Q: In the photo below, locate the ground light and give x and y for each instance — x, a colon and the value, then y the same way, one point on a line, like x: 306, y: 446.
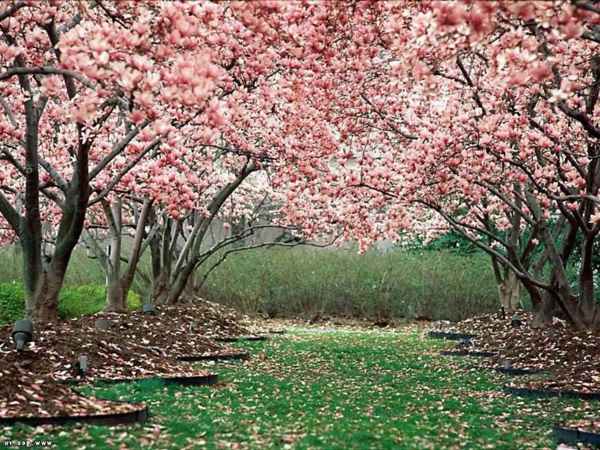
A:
x: 22, y: 333
x: 148, y: 309
x: 102, y: 324
x: 515, y: 321
x: 80, y: 365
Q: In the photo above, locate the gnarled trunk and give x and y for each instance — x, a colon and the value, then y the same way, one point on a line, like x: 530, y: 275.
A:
x: 42, y: 301
x: 543, y: 311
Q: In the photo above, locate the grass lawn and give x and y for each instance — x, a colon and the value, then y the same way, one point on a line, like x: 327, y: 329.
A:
x: 331, y: 390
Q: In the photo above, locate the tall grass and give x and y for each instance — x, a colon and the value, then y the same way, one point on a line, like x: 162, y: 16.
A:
x: 284, y: 282
x: 304, y: 281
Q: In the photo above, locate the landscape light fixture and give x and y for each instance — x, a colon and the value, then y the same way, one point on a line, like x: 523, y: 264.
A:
x: 506, y: 364
x: 193, y: 327
x: 502, y: 313
x: 80, y: 365
x: 22, y: 333
x: 438, y: 325
x: 515, y: 321
x: 467, y: 345
x: 148, y: 309
x: 102, y: 324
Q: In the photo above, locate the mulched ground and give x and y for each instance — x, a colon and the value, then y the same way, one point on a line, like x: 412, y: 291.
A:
x: 111, y: 354
x: 134, y: 346
x: 572, y: 357
x: 186, y: 329
x: 24, y: 395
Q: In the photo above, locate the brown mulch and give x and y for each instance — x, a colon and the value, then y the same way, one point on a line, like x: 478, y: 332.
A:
x: 111, y: 355
x: 135, y: 345
x: 23, y: 395
x: 573, y: 358
x: 585, y: 425
x: 210, y: 321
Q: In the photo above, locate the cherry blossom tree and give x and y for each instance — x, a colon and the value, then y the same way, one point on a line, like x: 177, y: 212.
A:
x: 90, y: 86
x: 480, y: 116
x: 90, y: 90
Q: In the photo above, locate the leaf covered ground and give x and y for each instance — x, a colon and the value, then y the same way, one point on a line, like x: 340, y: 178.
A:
x: 324, y: 389
x: 572, y: 357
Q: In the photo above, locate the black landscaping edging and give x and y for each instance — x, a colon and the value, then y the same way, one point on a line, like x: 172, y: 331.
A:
x: 573, y: 435
x: 200, y: 380
x: 241, y: 339
x: 138, y: 416
x: 450, y: 336
x: 197, y: 380
x: 527, y: 392
x: 518, y: 372
x: 467, y: 353
x: 233, y: 356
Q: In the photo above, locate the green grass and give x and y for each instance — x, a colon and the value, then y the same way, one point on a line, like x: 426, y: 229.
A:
x: 333, y: 390
x: 82, y: 269
x: 74, y: 301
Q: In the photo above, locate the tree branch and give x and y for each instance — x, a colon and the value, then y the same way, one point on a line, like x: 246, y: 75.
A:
x: 117, y: 148
x: 45, y: 70
x: 10, y: 11
x: 124, y: 172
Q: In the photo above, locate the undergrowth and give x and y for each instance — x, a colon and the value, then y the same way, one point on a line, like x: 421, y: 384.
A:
x: 286, y: 283
x: 74, y: 301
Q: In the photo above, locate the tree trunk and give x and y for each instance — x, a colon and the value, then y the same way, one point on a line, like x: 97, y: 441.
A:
x: 509, y: 291
x: 162, y: 265
x: 543, y: 311
x: 180, y: 282
x: 42, y: 301
x: 115, y: 301
x: 587, y: 299
x: 136, y: 250
x: 190, y: 287
x: 160, y: 292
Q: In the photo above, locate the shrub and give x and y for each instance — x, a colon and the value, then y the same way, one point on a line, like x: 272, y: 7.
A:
x: 398, y: 283
x: 73, y: 302
x: 12, y: 302
x: 88, y: 299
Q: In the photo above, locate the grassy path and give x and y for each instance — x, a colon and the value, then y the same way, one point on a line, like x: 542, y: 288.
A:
x: 333, y: 390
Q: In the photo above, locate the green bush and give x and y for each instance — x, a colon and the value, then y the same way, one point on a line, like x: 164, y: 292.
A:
x: 12, y: 302
x: 73, y: 301
x: 88, y: 299
x: 398, y: 283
